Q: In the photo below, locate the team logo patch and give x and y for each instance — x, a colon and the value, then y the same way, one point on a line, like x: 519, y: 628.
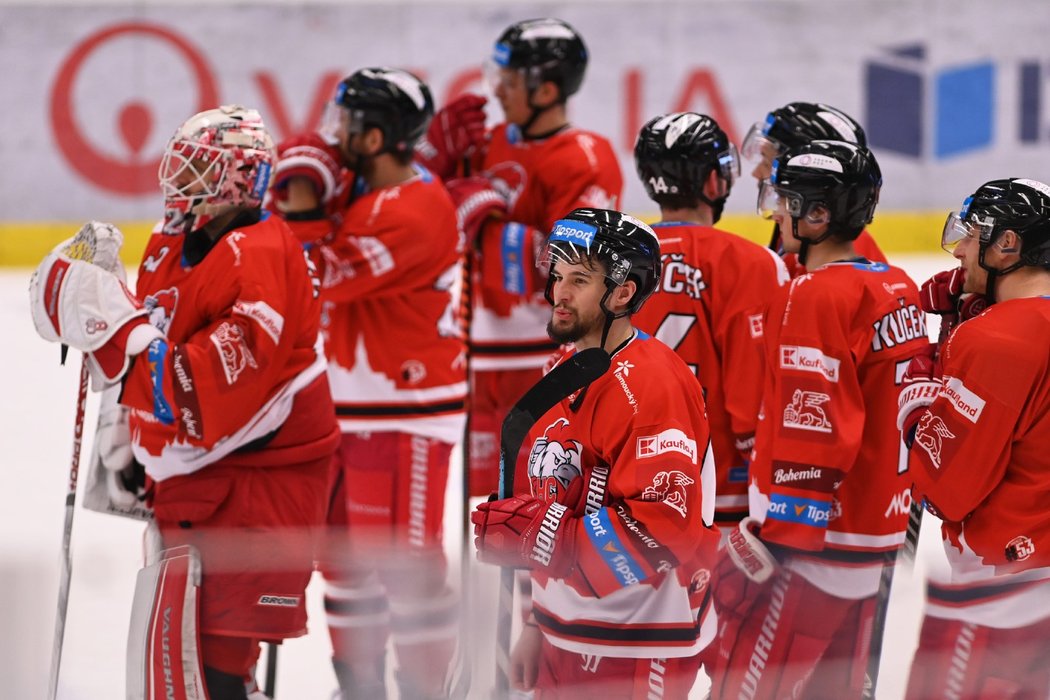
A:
x: 553, y: 463
x: 807, y: 359
x: 1019, y: 548
x: 930, y: 436
x: 671, y: 440
x: 669, y: 488
x: 806, y: 412
x: 228, y: 339
x: 968, y: 404
x: 161, y: 306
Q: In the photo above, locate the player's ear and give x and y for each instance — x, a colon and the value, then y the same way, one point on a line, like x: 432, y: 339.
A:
x: 1009, y: 242
x: 623, y: 294
x: 546, y: 94
x: 373, y: 140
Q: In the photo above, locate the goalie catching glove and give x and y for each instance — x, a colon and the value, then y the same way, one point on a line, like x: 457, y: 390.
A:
x: 88, y: 307
x: 525, y: 532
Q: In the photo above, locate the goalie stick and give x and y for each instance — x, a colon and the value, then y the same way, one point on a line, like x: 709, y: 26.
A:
x: 563, y: 381
x: 82, y: 247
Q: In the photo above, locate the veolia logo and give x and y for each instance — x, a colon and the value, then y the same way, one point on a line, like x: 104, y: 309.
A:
x: 136, y: 172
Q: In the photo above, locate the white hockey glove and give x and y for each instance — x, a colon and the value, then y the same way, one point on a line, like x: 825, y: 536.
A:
x: 89, y: 308
x: 748, y: 553
x: 116, y: 483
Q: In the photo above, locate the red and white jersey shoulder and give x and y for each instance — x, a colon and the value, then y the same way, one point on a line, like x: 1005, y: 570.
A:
x: 631, y: 461
x: 710, y: 308
x: 542, y: 180
x: 390, y: 285
x: 242, y: 341
x: 828, y: 472
x: 981, y: 454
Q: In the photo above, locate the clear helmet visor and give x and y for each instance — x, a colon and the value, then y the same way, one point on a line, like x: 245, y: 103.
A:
x: 757, y: 145
x: 729, y: 164
x: 773, y: 199
x: 338, y: 122
x: 958, y: 227
x: 576, y: 243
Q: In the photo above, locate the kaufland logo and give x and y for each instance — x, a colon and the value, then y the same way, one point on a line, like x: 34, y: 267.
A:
x: 917, y: 110
x: 807, y: 359
x: 670, y: 440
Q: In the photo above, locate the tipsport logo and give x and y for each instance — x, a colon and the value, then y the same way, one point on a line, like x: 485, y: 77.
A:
x: 917, y: 110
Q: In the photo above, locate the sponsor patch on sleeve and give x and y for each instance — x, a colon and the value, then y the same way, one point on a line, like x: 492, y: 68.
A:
x: 607, y: 543
x: 805, y: 511
x: 968, y: 404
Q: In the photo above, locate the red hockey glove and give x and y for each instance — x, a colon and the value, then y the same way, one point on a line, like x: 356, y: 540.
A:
x: 524, y: 532
x: 456, y: 130
x: 475, y: 201
x: 921, y: 384
x: 308, y: 156
x: 748, y: 552
x: 943, y: 295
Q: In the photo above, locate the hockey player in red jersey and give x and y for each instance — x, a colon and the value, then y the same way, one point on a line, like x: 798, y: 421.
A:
x: 390, y: 269
x: 220, y: 357
x: 797, y: 595
x: 527, y: 171
x: 977, y: 419
x: 793, y: 125
x: 617, y: 530
x: 710, y: 304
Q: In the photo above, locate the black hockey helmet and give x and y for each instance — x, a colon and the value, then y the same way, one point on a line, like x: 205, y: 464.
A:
x: 674, y: 155
x: 545, y: 49
x: 830, y: 182
x: 1016, y: 204
x: 627, y: 247
x: 796, y: 124
x: 391, y: 100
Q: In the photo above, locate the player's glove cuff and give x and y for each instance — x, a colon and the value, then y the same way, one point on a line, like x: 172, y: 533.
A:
x: 748, y: 552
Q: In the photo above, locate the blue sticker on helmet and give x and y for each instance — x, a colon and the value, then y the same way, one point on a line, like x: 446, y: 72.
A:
x: 262, y: 179
x: 965, y: 207
x: 501, y: 54
x: 770, y: 121
x: 575, y: 232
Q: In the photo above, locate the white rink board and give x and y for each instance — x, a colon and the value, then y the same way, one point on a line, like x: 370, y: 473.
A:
x: 952, y: 94
x: 36, y: 416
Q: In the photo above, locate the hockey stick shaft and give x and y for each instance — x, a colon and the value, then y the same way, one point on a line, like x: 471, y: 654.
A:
x: 271, y: 671
x: 564, y: 380
x: 66, y: 574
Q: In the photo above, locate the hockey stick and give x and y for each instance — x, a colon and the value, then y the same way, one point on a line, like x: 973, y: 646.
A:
x: 459, y: 686
x: 67, y: 534
x: 564, y: 380
x: 270, y: 688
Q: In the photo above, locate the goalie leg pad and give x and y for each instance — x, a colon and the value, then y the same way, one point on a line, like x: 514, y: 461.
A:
x: 164, y: 658
x: 779, y: 648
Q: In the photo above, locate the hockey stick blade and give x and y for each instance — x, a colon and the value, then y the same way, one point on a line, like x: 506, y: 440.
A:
x: 562, y: 382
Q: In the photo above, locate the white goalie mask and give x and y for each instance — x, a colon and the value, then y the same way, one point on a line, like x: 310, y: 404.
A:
x: 217, y: 160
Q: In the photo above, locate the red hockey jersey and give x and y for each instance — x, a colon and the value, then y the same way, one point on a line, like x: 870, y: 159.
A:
x: 241, y: 320
x: 391, y: 276
x: 828, y: 456
x: 981, y: 453
x: 709, y: 308
x: 542, y: 180
x: 631, y: 461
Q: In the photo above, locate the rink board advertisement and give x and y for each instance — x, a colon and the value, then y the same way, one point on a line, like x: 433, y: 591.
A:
x: 951, y: 94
